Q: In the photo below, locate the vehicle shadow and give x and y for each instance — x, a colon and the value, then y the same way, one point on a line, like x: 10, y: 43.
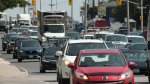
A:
x: 141, y: 83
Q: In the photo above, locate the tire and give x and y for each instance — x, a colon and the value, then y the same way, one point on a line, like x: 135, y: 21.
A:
x: 59, y: 81
x: 57, y: 76
x: 8, y: 51
x: 42, y: 71
x: 3, y: 49
x: 62, y: 80
x: 41, y: 68
x: 19, y: 60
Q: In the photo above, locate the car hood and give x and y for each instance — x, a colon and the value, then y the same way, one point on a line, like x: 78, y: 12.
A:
x: 54, y: 34
x: 31, y: 48
x: 137, y: 61
x: 102, y: 69
x: 33, y: 36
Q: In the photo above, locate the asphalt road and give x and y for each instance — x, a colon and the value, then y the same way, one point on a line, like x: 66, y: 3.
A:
x: 35, y: 77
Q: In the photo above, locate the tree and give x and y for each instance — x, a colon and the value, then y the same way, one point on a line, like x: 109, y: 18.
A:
x: 6, y: 4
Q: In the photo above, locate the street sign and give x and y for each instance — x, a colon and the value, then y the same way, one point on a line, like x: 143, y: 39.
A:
x: 82, y: 13
x: 30, y: 8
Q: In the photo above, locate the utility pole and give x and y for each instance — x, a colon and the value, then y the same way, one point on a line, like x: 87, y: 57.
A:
x: 85, y: 21
x: 56, y: 4
x: 142, y: 15
x: 28, y: 7
x: 40, y: 4
x: 72, y: 13
x: 51, y: 5
x: 24, y: 7
x: 128, y: 25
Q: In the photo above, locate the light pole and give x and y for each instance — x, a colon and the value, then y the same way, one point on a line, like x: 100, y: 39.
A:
x: 51, y: 5
x: 85, y: 21
x: 40, y: 4
x: 142, y: 15
x: 128, y: 25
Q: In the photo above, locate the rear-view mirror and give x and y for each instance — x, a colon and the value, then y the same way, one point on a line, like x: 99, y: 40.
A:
x: 58, y: 53
x: 71, y: 65
x: 132, y: 63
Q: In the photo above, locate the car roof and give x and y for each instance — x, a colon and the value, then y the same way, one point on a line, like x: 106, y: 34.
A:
x: 100, y: 51
x: 88, y: 35
x: 115, y: 35
x: 16, y: 36
x: 26, y: 31
x: 85, y: 41
x: 51, y: 47
x: 134, y: 36
x: 11, y: 34
x: 24, y: 37
x: 30, y: 40
x: 33, y: 31
x: 136, y: 43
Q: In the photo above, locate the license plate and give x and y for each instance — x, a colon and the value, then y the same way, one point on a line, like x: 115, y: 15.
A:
x: 136, y: 70
x: 30, y: 56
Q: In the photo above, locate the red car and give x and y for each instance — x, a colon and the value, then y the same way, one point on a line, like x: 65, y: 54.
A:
x: 26, y: 33
x: 101, y: 67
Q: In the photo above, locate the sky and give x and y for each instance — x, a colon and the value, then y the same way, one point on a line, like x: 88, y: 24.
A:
x: 45, y: 7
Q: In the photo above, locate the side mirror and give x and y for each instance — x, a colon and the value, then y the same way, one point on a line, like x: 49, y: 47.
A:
x: 58, y: 53
x: 130, y: 40
x: 132, y: 63
x: 2, y: 38
x: 71, y: 65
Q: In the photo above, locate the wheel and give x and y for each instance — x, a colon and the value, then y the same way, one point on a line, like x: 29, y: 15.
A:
x: 148, y: 72
x: 42, y: 71
x: 41, y: 68
x: 3, y: 49
x: 59, y: 81
x: 14, y: 57
x: 19, y: 60
x: 8, y: 51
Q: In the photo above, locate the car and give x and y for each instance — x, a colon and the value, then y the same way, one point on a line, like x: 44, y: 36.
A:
x: 87, y: 36
x: 61, y: 40
x: 16, y: 45
x: 70, y: 30
x: 101, y: 34
x: 5, y: 39
x: 139, y: 57
x: 69, y: 52
x: 20, y: 30
x: 33, y: 28
x: 11, y: 43
x: 33, y: 34
x: 74, y: 35
x: 48, y: 60
x: 135, y: 33
x: 110, y: 44
x: 29, y: 49
x: 136, y: 46
x: 139, y: 31
x: 135, y: 39
x: 3, y: 26
x: 119, y: 40
x: 101, y: 66
x: 25, y: 33
x: 14, y: 30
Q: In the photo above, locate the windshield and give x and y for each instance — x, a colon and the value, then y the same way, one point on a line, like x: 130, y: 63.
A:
x: 3, y: 23
x: 52, y: 51
x: 21, y: 30
x: 13, y: 22
x: 91, y: 30
x: 33, y: 33
x: 73, y: 35
x: 101, y: 59
x: 73, y: 49
x: 54, y: 29
x: 30, y: 44
x: 23, y: 21
x: 116, y: 38
x: 100, y: 36
x: 13, y: 38
x: 19, y: 40
x: 136, y: 39
x: 110, y: 44
x: 8, y: 35
x: 25, y: 33
x: 62, y: 40
x: 33, y: 28
x: 88, y: 37
x: 135, y: 55
x: 14, y: 30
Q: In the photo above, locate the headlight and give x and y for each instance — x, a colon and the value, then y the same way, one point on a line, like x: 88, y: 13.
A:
x: 66, y: 62
x: 16, y: 48
x: 5, y: 27
x: 21, y: 51
x: 82, y: 76
x: 126, y: 75
x: 5, y: 41
x: 39, y: 51
x: 9, y: 44
x: 43, y: 59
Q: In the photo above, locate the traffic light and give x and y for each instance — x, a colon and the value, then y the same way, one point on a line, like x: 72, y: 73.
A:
x: 35, y: 12
x: 33, y: 2
x: 119, y: 2
x: 70, y: 2
x: 82, y: 8
x: 141, y: 17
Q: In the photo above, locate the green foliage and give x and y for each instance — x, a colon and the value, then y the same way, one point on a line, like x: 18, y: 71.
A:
x: 6, y: 4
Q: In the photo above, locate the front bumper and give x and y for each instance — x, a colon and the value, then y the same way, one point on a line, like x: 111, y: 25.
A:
x: 49, y: 65
x: 24, y: 55
x: 10, y: 47
x: 4, y: 45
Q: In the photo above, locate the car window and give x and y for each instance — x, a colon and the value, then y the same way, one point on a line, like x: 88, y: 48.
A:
x: 73, y: 49
x: 33, y: 33
x: 100, y: 36
x: 136, y: 39
x: 135, y: 55
x: 110, y: 44
x: 30, y: 44
x: 51, y: 51
x: 74, y: 35
x: 116, y: 38
x: 139, y: 47
x: 101, y: 59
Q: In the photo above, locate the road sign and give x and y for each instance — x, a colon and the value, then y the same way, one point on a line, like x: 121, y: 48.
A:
x: 30, y: 8
x: 82, y: 13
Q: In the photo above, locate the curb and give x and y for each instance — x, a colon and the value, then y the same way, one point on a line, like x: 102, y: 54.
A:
x: 26, y: 72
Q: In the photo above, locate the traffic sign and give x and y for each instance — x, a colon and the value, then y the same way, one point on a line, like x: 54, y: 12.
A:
x: 82, y: 13
x: 30, y: 8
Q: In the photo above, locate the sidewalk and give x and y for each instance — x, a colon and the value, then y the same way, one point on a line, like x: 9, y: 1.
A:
x: 9, y: 71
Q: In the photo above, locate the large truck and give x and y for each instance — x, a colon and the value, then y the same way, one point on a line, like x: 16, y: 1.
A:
x: 12, y: 21
x: 51, y: 24
x: 3, y: 22
x: 23, y: 20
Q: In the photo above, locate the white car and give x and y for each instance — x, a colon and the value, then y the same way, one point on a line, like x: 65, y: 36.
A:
x: 119, y: 40
x: 69, y: 52
x: 33, y: 34
x: 102, y: 34
x: 135, y: 39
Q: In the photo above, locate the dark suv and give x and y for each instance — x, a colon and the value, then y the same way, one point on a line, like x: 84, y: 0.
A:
x: 16, y: 45
x: 29, y: 49
x: 6, y: 39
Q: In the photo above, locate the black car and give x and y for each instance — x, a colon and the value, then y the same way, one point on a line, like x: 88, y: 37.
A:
x: 136, y: 46
x: 11, y: 43
x: 3, y: 26
x: 74, y: 35
x: 16, y: 45
x: 48, y: 60
x: 139, y: 57
x: 6, y: 39
x: 29, y: 49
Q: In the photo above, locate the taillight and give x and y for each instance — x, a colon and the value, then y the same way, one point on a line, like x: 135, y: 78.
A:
x: 82, y: 34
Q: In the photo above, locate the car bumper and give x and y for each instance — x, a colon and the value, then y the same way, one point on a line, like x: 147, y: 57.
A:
x: 29, y: 56
x: 49, y: 65
x: 139, y: 69
x: 10, y: 47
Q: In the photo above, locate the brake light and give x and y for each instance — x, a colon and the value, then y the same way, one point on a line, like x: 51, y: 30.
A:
x: 82, y: 34
x: 87, y: 33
